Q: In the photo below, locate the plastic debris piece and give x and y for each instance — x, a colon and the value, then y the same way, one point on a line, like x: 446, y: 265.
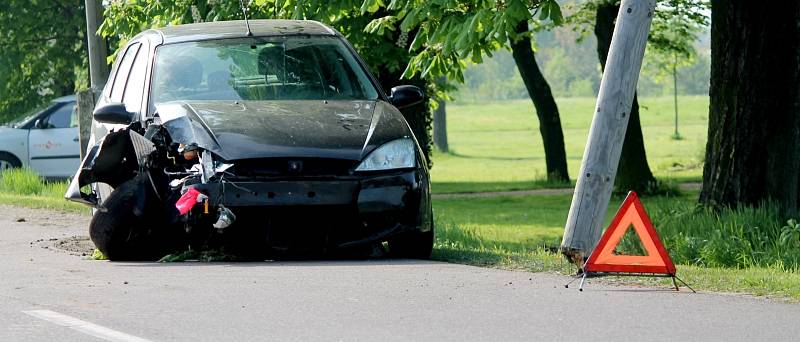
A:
x: 187, y: 201
x: 226, y: 218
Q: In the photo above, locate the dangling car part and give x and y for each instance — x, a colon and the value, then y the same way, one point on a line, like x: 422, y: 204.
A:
x: 279, y: 144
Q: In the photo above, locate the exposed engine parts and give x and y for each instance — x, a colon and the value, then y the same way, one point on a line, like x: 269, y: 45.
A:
x: 181, y: 188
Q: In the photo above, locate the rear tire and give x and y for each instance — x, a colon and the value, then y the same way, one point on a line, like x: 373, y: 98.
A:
x: 122, y: 235
x: 8, y: 161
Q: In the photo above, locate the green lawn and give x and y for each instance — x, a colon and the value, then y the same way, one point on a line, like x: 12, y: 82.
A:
x: 23, y: 187
x: 523, y: 223
x: 497, y: 146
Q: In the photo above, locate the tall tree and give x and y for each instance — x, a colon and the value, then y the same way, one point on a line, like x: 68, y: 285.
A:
x: 449, y: 33
x: 440, y: 126
x: 41, y: 52
x: 753, y: 149
x: 545, y: 104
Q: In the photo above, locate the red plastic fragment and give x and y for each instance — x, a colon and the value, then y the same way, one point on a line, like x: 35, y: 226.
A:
x: 187, y: 201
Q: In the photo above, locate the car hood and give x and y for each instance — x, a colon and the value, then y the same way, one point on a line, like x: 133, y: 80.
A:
x: 11, y: 133
x: 259, y: 129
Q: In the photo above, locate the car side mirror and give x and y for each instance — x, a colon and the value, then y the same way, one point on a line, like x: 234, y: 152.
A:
x: 406, y: 95
x: 40, y: 124
x: 113, y: 113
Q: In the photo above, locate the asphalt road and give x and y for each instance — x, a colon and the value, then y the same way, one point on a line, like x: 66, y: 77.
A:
x: 51, y: 295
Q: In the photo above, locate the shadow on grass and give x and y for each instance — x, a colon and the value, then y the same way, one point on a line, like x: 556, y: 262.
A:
x: 469, y: 257
x: 311, y: 262
x: 473, y: 187
x: 458, y: 244
x: 539, y: 260
x: 459, y: 155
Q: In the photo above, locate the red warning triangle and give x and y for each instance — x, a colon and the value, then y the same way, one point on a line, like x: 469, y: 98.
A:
x: 655, y: 260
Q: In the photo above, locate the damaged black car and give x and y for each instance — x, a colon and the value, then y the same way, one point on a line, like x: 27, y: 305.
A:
x: 269, y: 141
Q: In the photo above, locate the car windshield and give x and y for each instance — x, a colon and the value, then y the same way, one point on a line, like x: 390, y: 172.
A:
x: 260, y: 69
x: 24, y: 119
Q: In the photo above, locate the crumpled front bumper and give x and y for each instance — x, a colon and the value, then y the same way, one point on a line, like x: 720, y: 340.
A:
x: 378, y: 193
x: 357, y: 210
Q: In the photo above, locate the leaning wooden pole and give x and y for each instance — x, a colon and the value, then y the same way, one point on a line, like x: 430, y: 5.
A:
x: 96, y: 45
x: 601, y: 157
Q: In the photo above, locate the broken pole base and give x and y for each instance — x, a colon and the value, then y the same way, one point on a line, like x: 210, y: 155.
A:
x: 585, y: 275
x: 575, y: 256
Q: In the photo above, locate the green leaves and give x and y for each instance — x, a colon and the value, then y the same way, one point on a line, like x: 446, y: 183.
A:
x: 371, y: 6
x: 449, y: 32
x: 790, y: 234
x: 552, y: 11
x: 381, y: 25
x: 41, y: 53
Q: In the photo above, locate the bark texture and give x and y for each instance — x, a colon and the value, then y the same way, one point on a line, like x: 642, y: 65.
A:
x: 634, y: 171
x: 440, y: 127
x: 546, y: 108
x: 753, y: 149
x: 418, y: 116
x: 393, y: 57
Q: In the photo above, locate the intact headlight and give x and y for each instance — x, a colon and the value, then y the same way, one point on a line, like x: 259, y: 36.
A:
x: 396, y: 154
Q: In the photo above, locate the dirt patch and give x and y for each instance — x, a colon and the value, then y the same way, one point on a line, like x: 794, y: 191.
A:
x: 75, y: 245
x: 63, y: 231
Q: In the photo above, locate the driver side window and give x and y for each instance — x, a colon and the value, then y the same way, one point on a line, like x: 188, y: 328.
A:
x: 60, y: 118
x: 123, y: 70
x: 132, y: 96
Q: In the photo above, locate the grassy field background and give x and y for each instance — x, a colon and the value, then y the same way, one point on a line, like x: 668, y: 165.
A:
x: 497, y: 146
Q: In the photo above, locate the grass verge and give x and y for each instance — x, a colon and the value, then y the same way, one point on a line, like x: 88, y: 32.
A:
x: 24, y: 187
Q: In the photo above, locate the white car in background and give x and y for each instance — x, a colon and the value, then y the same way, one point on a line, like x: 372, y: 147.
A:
x: 46, y: 141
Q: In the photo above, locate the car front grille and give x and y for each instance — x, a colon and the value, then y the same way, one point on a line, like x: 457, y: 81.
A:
x: 269, y: 168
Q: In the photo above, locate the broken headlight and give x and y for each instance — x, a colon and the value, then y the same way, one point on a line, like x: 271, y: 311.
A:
x: 396, y: 154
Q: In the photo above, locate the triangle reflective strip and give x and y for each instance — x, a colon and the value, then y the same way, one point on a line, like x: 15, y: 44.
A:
x: 631, y: 213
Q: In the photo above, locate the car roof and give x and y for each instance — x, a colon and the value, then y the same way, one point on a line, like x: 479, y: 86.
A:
x: 237, y: 28
x: 68, y: 98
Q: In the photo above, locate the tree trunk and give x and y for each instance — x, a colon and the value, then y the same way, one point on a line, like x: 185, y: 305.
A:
x: 634, y: 172
x: 546, y: 108
x: 418, y: 116
x: 440, y: 127
x: 389, y: 74
x: 753, y: 149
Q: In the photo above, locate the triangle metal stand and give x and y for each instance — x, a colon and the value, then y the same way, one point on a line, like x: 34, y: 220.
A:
x: 674, y: 277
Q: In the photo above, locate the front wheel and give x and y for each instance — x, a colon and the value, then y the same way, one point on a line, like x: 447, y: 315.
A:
x: 123, y: 234
x: 412, y: 245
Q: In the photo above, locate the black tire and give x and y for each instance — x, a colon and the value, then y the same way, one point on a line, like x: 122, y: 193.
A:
x: 122, y: 235
x: 9, y: 161
x: 412, y: 245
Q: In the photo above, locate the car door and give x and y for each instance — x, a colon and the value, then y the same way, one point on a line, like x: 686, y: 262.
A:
x: 116, y: 87
x: 53, y: 146
x: 124, y: 86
